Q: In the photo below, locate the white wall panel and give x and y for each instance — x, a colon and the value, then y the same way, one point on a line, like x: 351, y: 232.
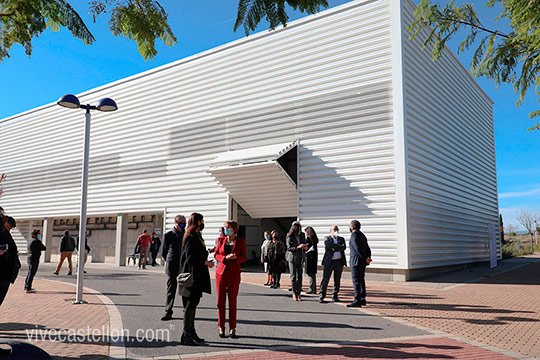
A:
x: 450, y: 158
x: 324, y: 80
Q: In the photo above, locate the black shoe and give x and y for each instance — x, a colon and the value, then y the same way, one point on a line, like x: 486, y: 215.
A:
x: 232, y: 334
x: 335, y: 299
x: 166, y: 317
x: 276, y: 287
x: 188, y: 340
x: 363, y: 302
x: 290, y: 289
x: 272, y: 286
x: 69, y: 273
x: 322, y: 301
x: 355, y: 304
x: 222, y: 334
x: 196, y: 337
x: 267, y: 284
x: 84, y: 271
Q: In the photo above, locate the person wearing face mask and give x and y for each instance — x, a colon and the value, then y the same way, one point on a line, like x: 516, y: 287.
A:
x: 171, y: 252
x: 264, y: 257
x: 230, y: 252
x: 34, y: 253
x: 194, y: 260
x: 311, y: 259
x: 333, y: 261
x: 276, y: 259
x: 296, y: 248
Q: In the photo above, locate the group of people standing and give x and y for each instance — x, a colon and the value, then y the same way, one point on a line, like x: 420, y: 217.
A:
x: 300, y: 250
x: 187, y: 257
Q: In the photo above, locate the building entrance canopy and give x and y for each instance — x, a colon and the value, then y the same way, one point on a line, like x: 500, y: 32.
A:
x: 256, y: 179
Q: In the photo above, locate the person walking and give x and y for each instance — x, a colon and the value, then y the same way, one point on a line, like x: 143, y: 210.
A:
x: 172, y: 249
x: 194, y: 260
x: 230, y: 252
x: 34, y: 253
x: 333, y: 261
x: 9, y: 257
x: 144, y: 241
x: 67, y: 246
x: 360, y: 258
x: 154, y: 248
x: 264, y: 257
x: 86, y: 251
x: 276, y: 259
x: 311, y: 259
x: 296, y: 248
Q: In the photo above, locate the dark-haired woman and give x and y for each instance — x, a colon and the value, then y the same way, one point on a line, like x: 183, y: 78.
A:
x: 296, y: 248
x: 194, y: 260
x: 34, y: 253
x: 276, y: 259
x: 311, y: 259
x: 230, y: 252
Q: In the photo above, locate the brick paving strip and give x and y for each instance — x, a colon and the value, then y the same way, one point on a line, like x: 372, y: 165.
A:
x: 50, y: 313
x: 499, y: 313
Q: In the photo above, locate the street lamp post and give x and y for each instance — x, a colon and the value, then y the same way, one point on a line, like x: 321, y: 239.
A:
x: 105, y: 104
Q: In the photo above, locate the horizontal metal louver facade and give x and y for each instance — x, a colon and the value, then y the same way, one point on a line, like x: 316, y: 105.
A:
x: 451, y: 158
x: 324, y: 80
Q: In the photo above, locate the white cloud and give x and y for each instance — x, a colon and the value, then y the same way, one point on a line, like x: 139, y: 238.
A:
x: 518, y: 194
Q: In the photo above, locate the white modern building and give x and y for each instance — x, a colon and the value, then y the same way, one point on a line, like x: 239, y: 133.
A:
x: 337, y: 116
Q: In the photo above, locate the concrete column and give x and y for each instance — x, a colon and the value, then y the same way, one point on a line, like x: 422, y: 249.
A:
x: 46, y: 237
x: 120, y: 252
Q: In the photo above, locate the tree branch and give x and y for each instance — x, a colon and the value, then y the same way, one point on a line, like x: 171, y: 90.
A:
x: 8, y: 14
x: 496, y: 32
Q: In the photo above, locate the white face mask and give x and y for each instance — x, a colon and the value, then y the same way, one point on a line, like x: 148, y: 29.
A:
x: 336, y: 234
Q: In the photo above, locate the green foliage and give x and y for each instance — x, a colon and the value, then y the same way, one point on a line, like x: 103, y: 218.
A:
x: 142, y: 20
x: 512, y: 58
x: 514, y: 249
x: 251, y: 12
x: 22, y: 20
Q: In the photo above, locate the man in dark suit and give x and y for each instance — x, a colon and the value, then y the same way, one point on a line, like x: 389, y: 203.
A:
x: 172, y: 249
x: 360, y: 258
x: 333, y: 261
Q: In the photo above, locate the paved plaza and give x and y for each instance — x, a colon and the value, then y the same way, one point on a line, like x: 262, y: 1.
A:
x: 469, y: 314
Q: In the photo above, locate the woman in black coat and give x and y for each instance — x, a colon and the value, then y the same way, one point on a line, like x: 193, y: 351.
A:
x: 194, y: 260
x: 311, y: 259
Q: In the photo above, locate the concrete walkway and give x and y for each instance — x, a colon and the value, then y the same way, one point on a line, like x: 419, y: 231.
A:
x: 476, y: 313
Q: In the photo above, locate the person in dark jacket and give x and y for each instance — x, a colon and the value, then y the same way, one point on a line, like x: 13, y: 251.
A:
x: 333, y: 261
x: 194, y: 260
x: 296, y: 247
x: 172, y: 249
x: 86, y: 251
x: 276, y: 259
x: 311, y: 259
x: 34, y: 253
x: 360, y: 258
x: 67, y: 246
x: 9, y: 258
x: 154, y: 248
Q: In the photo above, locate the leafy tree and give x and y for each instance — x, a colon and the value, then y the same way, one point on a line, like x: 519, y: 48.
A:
x: 144, y: 21
x: 512, y: 57
x: 501, y: 227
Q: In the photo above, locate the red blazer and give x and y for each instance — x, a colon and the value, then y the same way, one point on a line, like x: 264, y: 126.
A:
x: 232, y: 265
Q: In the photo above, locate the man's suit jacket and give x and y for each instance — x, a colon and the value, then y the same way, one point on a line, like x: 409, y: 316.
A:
x: 172, y: 249
x: 239, y: 249
x: 330, y: 248
x: 359, y: 248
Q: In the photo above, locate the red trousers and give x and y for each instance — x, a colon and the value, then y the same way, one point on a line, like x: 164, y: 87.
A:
x: 227, y: 284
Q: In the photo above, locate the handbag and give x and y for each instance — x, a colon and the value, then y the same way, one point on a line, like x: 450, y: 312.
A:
x: 185, y: 280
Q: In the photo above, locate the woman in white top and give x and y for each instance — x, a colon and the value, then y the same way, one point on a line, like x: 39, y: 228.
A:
x: 264, y: 256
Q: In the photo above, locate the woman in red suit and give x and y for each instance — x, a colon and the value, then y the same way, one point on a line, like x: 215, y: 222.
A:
x: 230, y: 252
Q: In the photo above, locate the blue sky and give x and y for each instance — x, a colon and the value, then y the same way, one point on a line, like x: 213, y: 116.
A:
x: 62, y: 64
